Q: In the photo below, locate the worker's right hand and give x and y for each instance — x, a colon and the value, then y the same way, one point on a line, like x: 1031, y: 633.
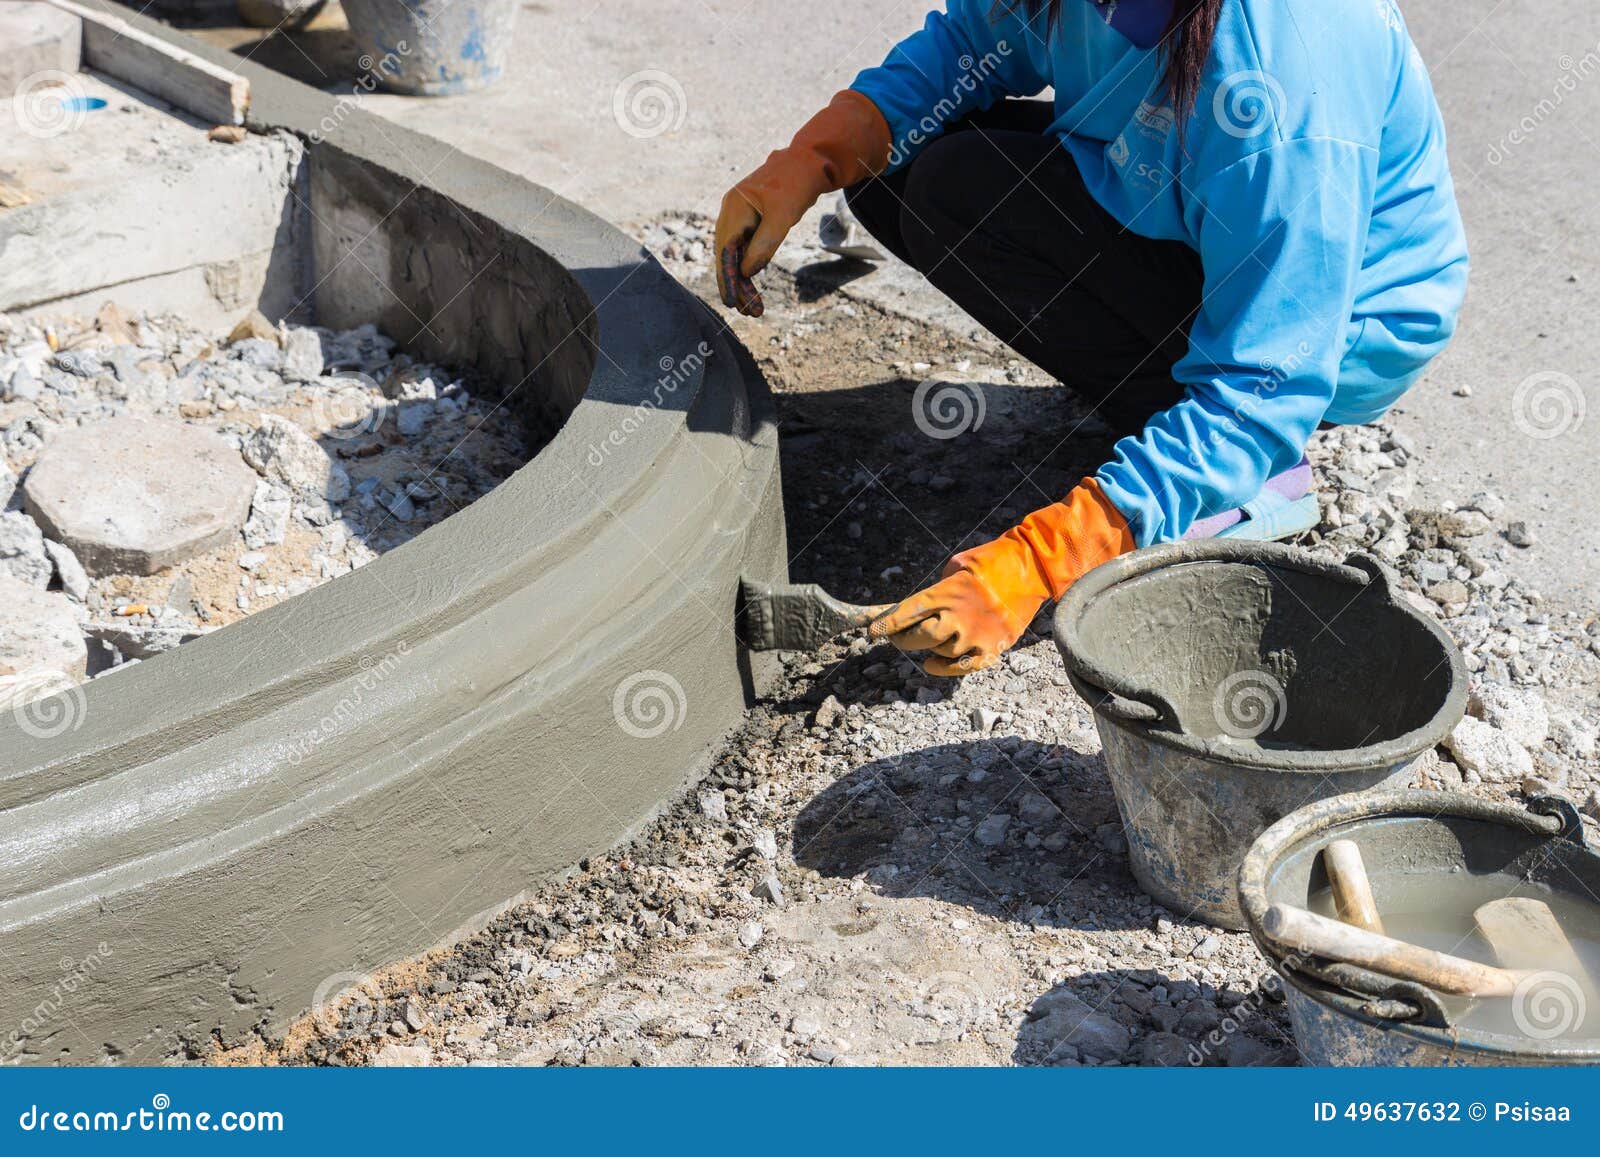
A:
x: 844, y: 143
x: 989, y: 594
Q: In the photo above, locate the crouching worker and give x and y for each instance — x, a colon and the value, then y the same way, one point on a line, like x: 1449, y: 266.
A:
x: 1234, y: 222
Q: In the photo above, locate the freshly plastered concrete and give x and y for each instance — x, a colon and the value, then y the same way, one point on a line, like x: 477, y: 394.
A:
x: 214, y: 840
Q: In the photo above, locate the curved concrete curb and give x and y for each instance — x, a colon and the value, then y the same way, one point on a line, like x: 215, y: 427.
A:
x: 205, y: 844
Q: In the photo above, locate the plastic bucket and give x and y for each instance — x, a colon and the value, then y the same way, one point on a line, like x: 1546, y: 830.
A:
x: 1234, y: 682
x: 1348, y: 1016
x: 432, y: 47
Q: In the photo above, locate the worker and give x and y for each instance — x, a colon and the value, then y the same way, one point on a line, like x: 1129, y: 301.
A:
x: 1234, y: 222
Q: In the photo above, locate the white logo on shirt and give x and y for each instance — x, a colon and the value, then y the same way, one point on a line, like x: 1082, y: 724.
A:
x: 1154, y: 121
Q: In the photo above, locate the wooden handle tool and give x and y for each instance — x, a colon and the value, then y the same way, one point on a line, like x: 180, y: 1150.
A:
x: 1306, y: 932
x: 1352, y: 891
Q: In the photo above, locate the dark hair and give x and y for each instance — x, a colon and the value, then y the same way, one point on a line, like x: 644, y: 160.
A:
x: 1184, y: 46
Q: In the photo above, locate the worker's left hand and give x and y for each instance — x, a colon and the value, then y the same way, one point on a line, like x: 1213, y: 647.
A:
x: 844, y: 143
x: 989, y: 594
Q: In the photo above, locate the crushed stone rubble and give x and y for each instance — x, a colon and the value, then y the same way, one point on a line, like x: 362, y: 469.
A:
x: 1532, y: 719
x: 339, y: 448
x: 883, y: 867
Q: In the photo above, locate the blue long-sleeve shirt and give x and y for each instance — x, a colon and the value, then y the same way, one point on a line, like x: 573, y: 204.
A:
x: 1311, y: 180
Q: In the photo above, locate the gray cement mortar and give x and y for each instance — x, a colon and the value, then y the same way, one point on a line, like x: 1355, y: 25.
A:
x: 373, y: 767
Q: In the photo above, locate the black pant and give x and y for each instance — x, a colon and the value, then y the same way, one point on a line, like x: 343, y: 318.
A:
x: 995, y: 214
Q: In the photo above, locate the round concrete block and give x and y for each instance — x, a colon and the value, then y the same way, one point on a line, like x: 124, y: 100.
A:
x: 134, y: 495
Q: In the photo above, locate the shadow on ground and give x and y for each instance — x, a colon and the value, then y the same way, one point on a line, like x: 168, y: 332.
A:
x: 1181, y: 1023
x: 1035, y: 839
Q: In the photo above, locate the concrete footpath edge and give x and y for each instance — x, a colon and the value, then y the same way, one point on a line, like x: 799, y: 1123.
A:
x: 208, y: 844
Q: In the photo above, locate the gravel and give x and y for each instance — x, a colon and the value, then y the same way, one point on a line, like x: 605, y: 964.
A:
x: 306, y: 415
x: 955, y: 880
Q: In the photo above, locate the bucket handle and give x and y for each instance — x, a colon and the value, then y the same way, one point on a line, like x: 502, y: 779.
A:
x: 1129, y: 698
x: 1561, y: 810
x: 1356, y: 991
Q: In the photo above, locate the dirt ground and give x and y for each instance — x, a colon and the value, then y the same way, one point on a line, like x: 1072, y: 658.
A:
x: 882, y: 868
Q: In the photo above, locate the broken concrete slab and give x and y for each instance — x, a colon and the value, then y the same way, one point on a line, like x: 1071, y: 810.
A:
x: 1519, y: 713
x: 302, y: 354
x: 142, y: 642
x: 1488, y: 753
x: 40, y: 40
x: 39, y: 636
x: 74, y: 579
x: 283, y: 452
x: 134, y: 495
x: 269, y: 516
x: 22, y: 553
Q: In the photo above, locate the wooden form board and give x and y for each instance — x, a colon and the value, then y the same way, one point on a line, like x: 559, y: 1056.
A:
x: 113, y: 46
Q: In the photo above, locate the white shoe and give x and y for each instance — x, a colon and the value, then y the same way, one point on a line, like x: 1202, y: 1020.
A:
x: 840, y: 233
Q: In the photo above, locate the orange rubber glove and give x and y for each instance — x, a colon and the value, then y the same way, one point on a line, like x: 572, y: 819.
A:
x: 844, y: 143
x: 989, y: 594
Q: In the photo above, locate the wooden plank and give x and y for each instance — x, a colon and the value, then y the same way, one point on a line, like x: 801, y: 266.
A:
x: 113, y: 46
x: 1525, y: 934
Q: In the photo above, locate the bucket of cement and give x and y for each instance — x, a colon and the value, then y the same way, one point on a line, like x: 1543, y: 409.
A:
x: 432, y: 47
x: 1233, y: 682
x: 1433, y: 858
